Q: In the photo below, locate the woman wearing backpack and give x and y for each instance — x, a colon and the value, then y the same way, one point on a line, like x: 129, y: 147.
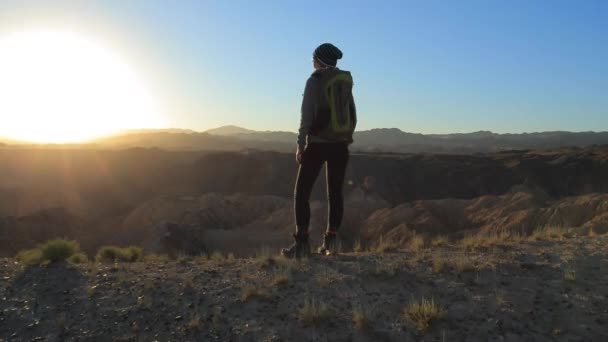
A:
x: 326, y: 129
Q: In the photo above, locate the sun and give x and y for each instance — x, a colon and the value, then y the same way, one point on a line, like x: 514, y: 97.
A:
x: 61, y: 87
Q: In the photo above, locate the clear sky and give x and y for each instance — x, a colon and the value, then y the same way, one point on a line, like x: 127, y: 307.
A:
x: 422, y: 66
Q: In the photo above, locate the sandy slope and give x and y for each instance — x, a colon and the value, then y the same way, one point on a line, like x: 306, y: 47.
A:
x: 515, y: 293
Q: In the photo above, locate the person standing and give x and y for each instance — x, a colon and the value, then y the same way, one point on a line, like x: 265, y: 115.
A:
x: 328, y: 121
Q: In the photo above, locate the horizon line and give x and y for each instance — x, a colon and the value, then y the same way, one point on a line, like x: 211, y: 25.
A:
x: 7, y: 140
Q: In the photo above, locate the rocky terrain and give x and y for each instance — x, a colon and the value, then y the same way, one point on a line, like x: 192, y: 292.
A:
x: 552, y: 286
x: 507, y: 246
x: 244, y: 199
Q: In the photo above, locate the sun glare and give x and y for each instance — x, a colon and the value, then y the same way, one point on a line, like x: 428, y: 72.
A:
x: 61, y: 87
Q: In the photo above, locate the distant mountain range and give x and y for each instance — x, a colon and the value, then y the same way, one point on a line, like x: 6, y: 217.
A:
x: 385, y: 140
x: 395, y: 140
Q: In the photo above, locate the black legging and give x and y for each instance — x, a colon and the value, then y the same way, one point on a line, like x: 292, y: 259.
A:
x: 315, y: 155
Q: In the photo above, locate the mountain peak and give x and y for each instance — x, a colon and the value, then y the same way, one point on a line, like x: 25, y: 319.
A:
x: 229, y: 130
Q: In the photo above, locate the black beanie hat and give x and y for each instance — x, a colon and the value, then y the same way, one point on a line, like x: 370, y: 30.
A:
x: 328, y: 54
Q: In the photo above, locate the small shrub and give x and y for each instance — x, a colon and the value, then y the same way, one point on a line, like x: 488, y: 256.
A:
x: 58, y: 250
x: 116, y: 254
x: 314, y: 312
x: 30, y: 256
x: 135, y: 253
x: 569, y: 275
x: 360, y: 319
x: 78, y: 258
x: 231, y: 257
x: 421, y: 313
x: 51, y: 251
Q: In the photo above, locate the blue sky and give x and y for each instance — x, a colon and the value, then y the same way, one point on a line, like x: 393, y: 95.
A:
x: 421, y: 66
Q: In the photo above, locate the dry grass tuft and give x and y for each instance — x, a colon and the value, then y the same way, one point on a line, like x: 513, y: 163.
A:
x: 360, y: 319
x: 384, y: 245
x: 265, y: 258
x: 489, y: 239
x: 217, y: 256
x: 421, y: 313
x: 78, y: 258
x: 439, y: 241
x: 438, y: 262
x: 189, y: 283
x: 358, y: 247
x: 253, y: 293
x: 91, y: 290
x: 569, y: 275
x: 462, y: 263
x: 326, y: 277
x: 194, y: 324
x: 549, y: 233
x: 294, y: 266
x: 183, y: 258
x: 314, y: 312
x: 416, y: 243
x: 385, y: 269
x: 500, y: 298
x: 281, y: 277
x: 156, y: 258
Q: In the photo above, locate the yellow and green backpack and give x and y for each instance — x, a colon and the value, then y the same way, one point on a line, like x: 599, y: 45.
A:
x: 337, y: 114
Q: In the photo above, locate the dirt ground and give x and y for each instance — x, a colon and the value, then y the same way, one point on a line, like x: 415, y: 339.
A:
x: 529, y: 291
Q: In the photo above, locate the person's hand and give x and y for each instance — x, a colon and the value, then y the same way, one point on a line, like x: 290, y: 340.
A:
x: 299, y: 154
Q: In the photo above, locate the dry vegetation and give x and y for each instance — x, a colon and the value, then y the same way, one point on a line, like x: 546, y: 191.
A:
x: 52, y: 251
x: 251, y: 299
x: 360, y: 319
x: 314, y: 312
x: 114, y: 254
x: 253, y: 292
x: 422, y: 312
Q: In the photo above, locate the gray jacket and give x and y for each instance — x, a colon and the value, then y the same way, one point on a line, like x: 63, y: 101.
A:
x: 310, y: 105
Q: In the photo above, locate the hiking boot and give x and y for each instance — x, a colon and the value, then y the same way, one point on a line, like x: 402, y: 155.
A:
x: 299, y: 249
x: 329, y: 246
